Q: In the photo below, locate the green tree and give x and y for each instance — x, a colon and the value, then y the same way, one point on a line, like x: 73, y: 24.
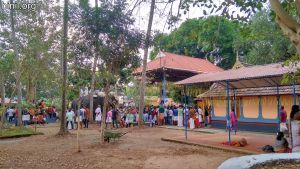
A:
x: 119, y: 46
x: 110, y: 31
x: 6, y: 66
x: 286, y: 13
x: 38, y: 34
x: 16, y: 61
x: 211, y: 38
x: 263, y: 37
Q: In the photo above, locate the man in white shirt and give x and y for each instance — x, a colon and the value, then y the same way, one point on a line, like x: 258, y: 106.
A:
x: 10, y: 112
x: 70, y: 117
x: 98, y: 114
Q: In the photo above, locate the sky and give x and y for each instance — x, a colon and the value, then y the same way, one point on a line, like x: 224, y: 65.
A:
x: 141, y: 14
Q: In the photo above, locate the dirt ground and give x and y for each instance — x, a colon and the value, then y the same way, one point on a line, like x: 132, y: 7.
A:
x: 138, y: 149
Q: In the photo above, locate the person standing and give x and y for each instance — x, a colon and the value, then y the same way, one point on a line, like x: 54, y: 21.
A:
x: 295, y: 128
x: 129, y: 119
x: 10, y: 112
x: 192, y: 117
x: 180, y: 116
x: 233, y: 121
x: 146, y: 114
x: 205, y: 115
x: 114, y: 117
x: 166, y: 115
x: 25, y: 117
x: 122, y: 117
x: 109, y: 117
x: 161, y: 112
x: 81, y: 116
x: 283, y: 120
x: 70, y: 117
x: 200, y: 116
x: 154, y: 116
x: 170, y: 116
x: 86, y: 117
x: 175, y: 115
x: 98, y: 115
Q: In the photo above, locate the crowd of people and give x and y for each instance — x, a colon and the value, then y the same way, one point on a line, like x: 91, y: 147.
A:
x: 194, y: 117
x: 81, y: 118
x: 40, y: 114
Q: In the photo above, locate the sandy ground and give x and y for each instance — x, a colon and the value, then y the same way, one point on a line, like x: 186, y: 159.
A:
x: 138, y: 149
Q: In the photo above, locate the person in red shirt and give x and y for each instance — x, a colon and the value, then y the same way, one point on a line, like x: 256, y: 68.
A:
x: 42, y: 104
x: 283, y: 115
x: 283, y: 120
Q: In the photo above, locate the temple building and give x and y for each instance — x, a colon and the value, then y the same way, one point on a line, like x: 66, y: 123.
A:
x: 170, y: 67
x: 255, y: 92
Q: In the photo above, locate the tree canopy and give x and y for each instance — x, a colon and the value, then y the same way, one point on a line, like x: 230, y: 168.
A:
x: 260, y: 41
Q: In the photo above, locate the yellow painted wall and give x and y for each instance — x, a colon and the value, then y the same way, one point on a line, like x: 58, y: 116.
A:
x: 287, y: 101
x: 250, y: 106
x: 219, y: 107
x: 269, y: 107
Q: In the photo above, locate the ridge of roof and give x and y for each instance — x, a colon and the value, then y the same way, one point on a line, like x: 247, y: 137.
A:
x: 180, y: 62
x: 274, y: 69
x: 188, y: 57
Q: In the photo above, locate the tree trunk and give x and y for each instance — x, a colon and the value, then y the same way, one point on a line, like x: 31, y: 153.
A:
x: 142, y: 85
x: 30, y: 90
x: 293, y: 36
x: 17, y: 65
x: 63, y: 130
x: 91, y: 96
x: 288, y: 24
x: 2, y: 86
x: 105, y: 105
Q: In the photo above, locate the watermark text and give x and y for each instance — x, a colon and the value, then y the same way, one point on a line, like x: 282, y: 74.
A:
x: 19, y: 5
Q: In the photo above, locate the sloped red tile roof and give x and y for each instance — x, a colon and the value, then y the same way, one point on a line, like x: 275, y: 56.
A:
x: 252, y: 72
x: 218, y: 90
x: 180, y: 62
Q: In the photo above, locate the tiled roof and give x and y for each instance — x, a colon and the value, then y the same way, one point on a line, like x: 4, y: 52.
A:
x: 180, y: 62
x: 217, y: 90
x: 252, y: 72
